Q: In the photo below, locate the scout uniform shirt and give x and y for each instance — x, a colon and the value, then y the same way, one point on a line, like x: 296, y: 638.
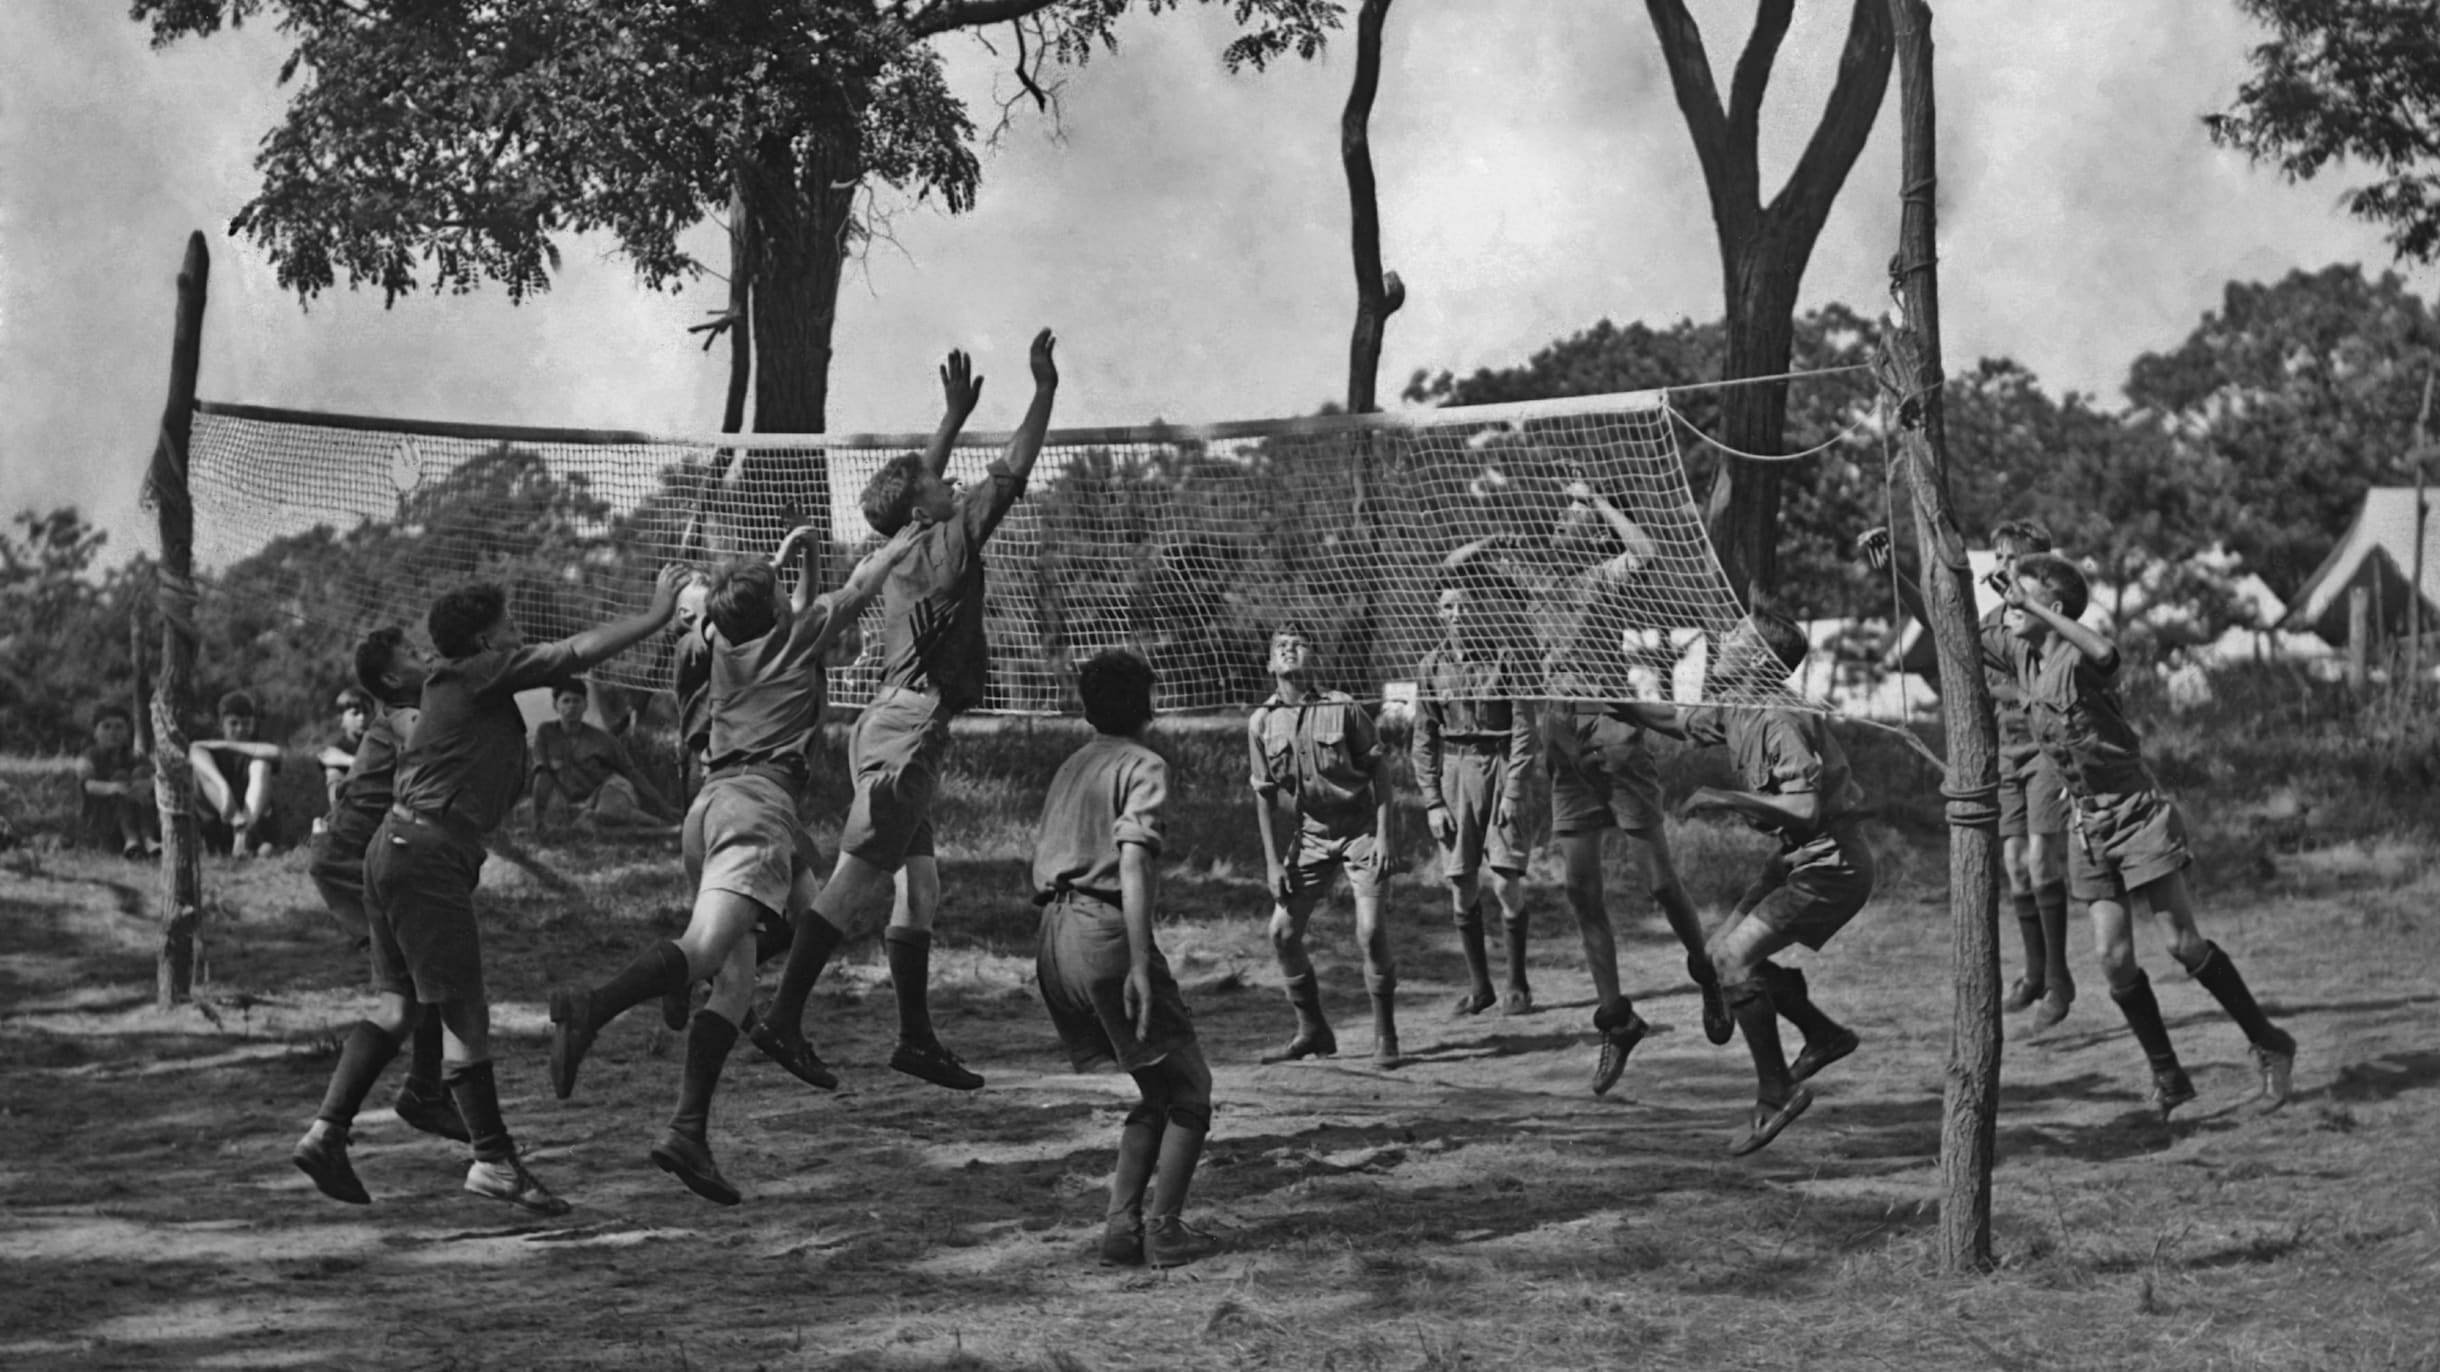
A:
x: 932, y: 635
x: 466, y: 763
x: 1320, y: 753
x: 1783, y: 752
x: 1109, y: 792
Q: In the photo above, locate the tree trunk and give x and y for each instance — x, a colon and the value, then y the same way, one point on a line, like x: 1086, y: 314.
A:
x: 1970, y: 1098
x: 1378, y: 293
x: 180, y: 898
x: 1744, y: 505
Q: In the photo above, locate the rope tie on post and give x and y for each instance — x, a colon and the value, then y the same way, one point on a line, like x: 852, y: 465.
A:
x: 1975, y: 807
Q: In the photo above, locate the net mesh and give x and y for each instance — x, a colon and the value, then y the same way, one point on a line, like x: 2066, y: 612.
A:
x: 1571, y: 522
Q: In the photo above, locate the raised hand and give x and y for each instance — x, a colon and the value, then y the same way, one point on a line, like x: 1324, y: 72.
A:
x: 1873, y: 546
x: 960, y: 388
x: 1046, y: 366
x: 665, y: 589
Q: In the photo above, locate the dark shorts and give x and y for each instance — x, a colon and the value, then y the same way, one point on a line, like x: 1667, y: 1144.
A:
x: 1311, y: 862
x: 1829, y: 879
x: 897, y: 751
x: 1472, y: 782
x: 2120, y: 843
x: 741, y: 837
x: 1613, y: 783
x: 419, y: 885
x: 337, y: 871
x: 2032, y: 800
x: 1081, y: 964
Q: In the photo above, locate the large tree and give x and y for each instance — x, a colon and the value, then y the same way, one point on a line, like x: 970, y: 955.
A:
x: 2349, y: 81
x: 1765, y: 245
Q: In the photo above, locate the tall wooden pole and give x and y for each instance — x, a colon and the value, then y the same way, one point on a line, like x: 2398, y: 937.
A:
x: 1970, y: 1098
x: 1378, y: 293
x: 181, y: 889
x: 2414, y: 599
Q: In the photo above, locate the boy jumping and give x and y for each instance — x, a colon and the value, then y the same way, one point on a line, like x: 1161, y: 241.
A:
x: 935, y: 662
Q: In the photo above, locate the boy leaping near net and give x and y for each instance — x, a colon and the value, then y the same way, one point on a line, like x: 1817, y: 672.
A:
x: 1318, y: 750
x: 766, y: 691
x: 1473, y: 746
x: 935, y: 661
x: 1802, y: 793
x: 456, y: 782
x: 1107, y: 987
x: 2128, y: 849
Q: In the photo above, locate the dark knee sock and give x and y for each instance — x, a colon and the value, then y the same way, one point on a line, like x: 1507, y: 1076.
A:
x: 2029, y: 928
x: 816, y: 939
x: 773, y: 935
x: 1685, y: 923
x: 1181, y: 1148
x: 1794, y: 1002
x: 1305, y: 993
x: 478, y: 1103
x: 1139, y: 1147
x: 2220, y: 977
x: 655, y: 972
x: 1478, y: 953
x: 368, y: 1050
x: 424, y: 1054
x: 2050, y: 899
x: 2142, y: 1009
x: 910, y: 952
x: 1519, y: 930
x: 709, y: 1037
x: 1750, y: 1002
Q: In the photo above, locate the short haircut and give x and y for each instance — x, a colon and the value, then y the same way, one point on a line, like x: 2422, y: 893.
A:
x: 744, y: 601
x: 1117, y: 690
x: 2058, y: 576
x: 1289, y: 628
x: 570, y: 686
x: 237, y: 703
x: 354, y: 698
x: 376, y: 653
x: 1782, y: 636
x: 889, y: 498
x: 112, y: 710
x: 2025, y: 535
x: 459, y: 618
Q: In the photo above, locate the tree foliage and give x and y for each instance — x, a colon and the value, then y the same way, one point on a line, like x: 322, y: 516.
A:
x: 63, y: 629
x: 2349, y: 81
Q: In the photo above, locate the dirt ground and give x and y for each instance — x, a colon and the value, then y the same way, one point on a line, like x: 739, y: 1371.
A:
x: 1478, y: 1208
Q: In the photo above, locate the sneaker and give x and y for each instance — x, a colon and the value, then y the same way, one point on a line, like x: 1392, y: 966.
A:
x: 935, y: 1064
x: 429, y: 1111
x: 1122, y: 1241
x: 1317, y: 1042
x: 1172, y: 1242
x: 690, y: 1161
x: 1718, y: 1025
x: 2021, y: 995
x: 2170, y: 1090
x: 2053, y: 1009
x: 2278, y: 1067
x: 1518, y: 1001
x: 508, y: 1180
x: 792, y: 1052
x: 572, y: 1034
x: 1817, y: 1056
x: 1616, y: 1043
x: 1472, y: 1003
x: 323, y: 1157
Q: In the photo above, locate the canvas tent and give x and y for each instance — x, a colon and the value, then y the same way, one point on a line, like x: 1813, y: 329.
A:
x: 2377, y: 554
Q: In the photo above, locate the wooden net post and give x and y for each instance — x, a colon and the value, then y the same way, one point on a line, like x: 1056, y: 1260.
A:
x: 1970, y: 1098
x: 181, y: 890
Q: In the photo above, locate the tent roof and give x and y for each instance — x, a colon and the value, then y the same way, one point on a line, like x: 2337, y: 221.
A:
x: 2378, y: 549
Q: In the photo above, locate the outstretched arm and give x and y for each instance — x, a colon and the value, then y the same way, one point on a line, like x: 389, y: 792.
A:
x: 1644, y: 714
x: 2096, y: 647
x: 960, y: 390
x: 864, y: 583
x: 1026, y: 443
x: 1874, y: 544
x: 1794, y: 811
x: 600, y: 644
x: 801, y: 542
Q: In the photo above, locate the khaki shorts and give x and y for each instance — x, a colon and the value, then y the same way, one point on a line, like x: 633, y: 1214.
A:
x: 2032, y: 798
x: 1829, y: 879
x: 2123, y: 842
x: 419, y: 882
x: 1081, y: 964
x: 1613, y: 783
x: 1311, y: 863
x: 741, y: 837
x: 896, y: 755
x: 1472, y: 782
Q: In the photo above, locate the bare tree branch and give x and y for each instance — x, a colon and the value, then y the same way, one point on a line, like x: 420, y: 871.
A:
x: 1803, y: 204
x: 1698, y: 99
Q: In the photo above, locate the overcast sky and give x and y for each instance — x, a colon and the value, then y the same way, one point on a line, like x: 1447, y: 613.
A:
x: 1185, y: 232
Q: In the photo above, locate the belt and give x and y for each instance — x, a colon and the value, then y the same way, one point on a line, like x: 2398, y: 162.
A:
x: 790, y: 772
x: 455, y: 828
x: 1059, y: 893
x: 1475, y: 743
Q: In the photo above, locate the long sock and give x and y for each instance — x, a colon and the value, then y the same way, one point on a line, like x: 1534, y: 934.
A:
x: 368, y: 1050
x: 1679, y: 910
x: 478, y: 1103
x: 1794, y: 1001
x: 1470, y: 938
x: 1385, y: 1015
x: 1305, y: 993
x: 2220, y: 977
x: 1181, y: 1149
x: 709, y: 1037
x: 655, y: 972
x: 816, y: 939
x: 2050, y: 900
x: 2142, y: 1009
x: 1617, y: 1012
x: 773, y: 935
x: 1750, y: 1001
x: 1519, y: 929
x: 1139, y: 1151
x: 424, y: 1060
x: 910, y: 952
x: 2029, y: 928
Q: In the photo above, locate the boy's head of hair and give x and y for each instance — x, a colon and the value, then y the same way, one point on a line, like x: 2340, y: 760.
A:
x: 387, y: 669
x: 1292, y: 651
x: 237, y: 716
x: 2065, y: 585
x: 1765, y: 646
x: 461, y: 617
x: 354, y: 698
x: 904, y: 489
x: 692, y: 597
x: 1116, y: 687
x: 112, y: 725
x: 2019, y: 537
x: 744, y: 600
